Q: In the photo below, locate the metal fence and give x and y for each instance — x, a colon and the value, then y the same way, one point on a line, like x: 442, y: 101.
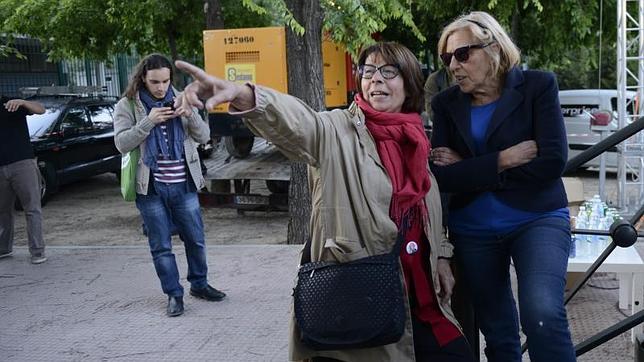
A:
x: 37, y: 71
x: 111, y: 76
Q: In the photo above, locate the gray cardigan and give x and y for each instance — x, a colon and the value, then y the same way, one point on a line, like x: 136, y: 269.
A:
x: 132, y: 129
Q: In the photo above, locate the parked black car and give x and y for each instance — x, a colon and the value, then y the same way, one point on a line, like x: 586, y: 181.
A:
x: 73, y: 139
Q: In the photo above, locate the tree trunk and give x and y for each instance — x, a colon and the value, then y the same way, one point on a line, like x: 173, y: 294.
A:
x: 516, y: 27
x: 172, y: 43
x: 304, y: 54
x: 215, y: 20
x: 214, y: 16
x: 180, y: 79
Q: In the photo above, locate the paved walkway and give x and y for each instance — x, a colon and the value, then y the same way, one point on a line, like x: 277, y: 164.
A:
x: 105, y: 304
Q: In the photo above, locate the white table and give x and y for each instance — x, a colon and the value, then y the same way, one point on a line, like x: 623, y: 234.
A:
x: 629, y: 267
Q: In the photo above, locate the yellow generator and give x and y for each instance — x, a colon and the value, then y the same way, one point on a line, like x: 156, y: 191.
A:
x: 258, y: 55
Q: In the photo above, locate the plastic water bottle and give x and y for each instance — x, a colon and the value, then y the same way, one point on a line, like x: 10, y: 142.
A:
x: 611, y: 216
x: 582, y: 247
x: 597, y: 206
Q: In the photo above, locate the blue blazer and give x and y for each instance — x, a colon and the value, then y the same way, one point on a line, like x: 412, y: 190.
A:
x: 528, y: 109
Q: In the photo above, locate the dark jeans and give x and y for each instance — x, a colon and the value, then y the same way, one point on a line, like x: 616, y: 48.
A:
x: 172, y: 205
x: 539, y: 251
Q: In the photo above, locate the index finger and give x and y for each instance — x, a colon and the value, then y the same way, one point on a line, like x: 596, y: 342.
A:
x: 194, y: 71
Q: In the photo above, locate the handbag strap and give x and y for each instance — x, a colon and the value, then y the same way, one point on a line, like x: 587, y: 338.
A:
x: 306, y: 251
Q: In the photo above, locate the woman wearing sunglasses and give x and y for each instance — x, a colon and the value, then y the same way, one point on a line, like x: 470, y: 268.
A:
x: 369, y: 179
x: 500, y: 149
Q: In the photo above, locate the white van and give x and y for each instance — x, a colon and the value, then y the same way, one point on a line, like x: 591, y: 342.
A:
x: 577, y: 106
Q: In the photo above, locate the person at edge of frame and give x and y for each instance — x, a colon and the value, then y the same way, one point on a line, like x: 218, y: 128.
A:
x: 168, y: 175
x: 19, y: 177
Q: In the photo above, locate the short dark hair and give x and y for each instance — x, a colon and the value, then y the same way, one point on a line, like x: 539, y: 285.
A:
x: 394, y: 53
x: 150, y: 62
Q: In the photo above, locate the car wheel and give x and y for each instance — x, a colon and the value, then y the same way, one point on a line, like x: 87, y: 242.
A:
x: 49, y: 181
x: 239, y: 146
x: 277, y: 186
x: 43, y: 187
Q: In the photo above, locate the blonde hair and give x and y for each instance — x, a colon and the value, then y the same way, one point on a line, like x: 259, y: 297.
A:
x: 485, y: 29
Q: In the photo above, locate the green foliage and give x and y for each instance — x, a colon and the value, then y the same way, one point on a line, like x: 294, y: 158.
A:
x: 565, y: 39
x: 272, y: 9
x: 557, y: 35
x: 152, y: 25
x: 349, y: 22
x: 95, y: 29
x: 354, y: 22
x: 56, y: 23
x: 6, y: 51
x: 236, y: 16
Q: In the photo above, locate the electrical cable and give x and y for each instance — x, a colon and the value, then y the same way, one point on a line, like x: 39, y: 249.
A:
x: 601, y: 31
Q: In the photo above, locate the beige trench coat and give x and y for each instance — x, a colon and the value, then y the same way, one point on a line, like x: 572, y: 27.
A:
x: 351, y: 193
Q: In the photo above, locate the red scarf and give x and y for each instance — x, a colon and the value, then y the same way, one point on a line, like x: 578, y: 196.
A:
x: 403, y: 149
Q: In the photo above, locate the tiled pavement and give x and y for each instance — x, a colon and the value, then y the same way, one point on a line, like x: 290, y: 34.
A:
x: 105, y: 304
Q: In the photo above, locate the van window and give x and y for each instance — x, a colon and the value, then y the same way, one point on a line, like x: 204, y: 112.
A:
x: 630, y: 105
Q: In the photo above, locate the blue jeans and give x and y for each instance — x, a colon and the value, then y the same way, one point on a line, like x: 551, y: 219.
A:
x: 539, y: 251
x: 173, y: 204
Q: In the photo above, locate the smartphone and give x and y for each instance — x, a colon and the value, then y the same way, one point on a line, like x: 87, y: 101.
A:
x: 169, y: 104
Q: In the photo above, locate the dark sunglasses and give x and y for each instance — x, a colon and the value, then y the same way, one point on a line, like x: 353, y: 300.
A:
x: 461, y: 54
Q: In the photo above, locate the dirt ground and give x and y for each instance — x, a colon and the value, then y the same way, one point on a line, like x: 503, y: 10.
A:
x: 91, y: 212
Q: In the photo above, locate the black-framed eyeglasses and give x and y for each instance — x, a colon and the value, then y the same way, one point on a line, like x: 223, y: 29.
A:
x: 388, y: 71
x: 461, y: 54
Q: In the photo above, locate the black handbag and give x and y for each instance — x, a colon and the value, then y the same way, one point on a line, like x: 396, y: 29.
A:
x: 358, y: 304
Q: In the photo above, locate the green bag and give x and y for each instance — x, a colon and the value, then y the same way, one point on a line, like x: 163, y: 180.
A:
x: 128, y: 168
x: 128, y: 174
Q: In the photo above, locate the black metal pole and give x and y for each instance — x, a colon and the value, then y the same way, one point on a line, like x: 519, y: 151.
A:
x: 609, y: 333
x: 580, y: 283
x: 603, y: 145
x: 571, y: 166
x: 636, y: 217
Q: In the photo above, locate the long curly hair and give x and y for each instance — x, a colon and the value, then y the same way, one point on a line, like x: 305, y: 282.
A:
x: 150, y: 62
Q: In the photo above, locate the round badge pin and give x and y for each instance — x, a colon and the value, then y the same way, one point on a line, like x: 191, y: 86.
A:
x: 411, y: 247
